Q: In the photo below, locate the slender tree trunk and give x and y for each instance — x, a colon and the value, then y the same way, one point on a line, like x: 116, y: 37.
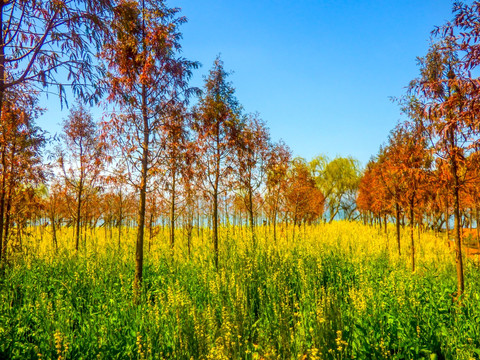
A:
x: 251, y: 218
x: 215, y: 196
x: 2, y: 72
x: 120, y: 220
x: 79, y: 212
x: 333, y: 214
x: 477, y: 220
x: 189, y: 230
x: 10, y: 186
x: 446, y: 220
x: 470, y: 220
x: 412, y: 240
x: 385, y: 223
x: 397, y: 216
x: 198, y: 218
x: 143, y: 192
x: 2, y: 206
x: 8, y: 216
x: 2, y: 91
x: 215, y: 223
x: 172, y: 212
x: 458, y: 238
x: 275, y: 225
x: 54, y: 233
x: 150, y: 232
x: 85, y: 228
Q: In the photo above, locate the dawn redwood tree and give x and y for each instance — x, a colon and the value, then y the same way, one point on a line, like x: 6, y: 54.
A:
x: 252, y: 159
x: 156, y: 209
x: 373, y: 198
x: 119, y: 200
x: 304, y: 200
x: 81, y: 159
x: 473, y: 190
x: 146, y: 78
x: 407, y: 164
x: 443, y: 185
x: 278, y: 163
x: 218, y: 125
x: 40, y: 39
x: 191, y: 190
x: 440, y: 105
x: 176, y: 142
x: 440, y: 196
x: 21, y: 143
x: 391, y: 184
x: 464, y: 34
x: 55, y: 209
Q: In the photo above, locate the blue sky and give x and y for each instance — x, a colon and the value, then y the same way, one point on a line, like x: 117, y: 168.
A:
x: 320, y: 73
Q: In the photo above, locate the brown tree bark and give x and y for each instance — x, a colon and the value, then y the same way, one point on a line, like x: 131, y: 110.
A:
x: 412, y: 240
x: 397, y: 216
x: 458, y: 238
x: 143, y: 192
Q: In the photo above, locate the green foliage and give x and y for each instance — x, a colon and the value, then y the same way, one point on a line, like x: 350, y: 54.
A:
x: 338, y: 179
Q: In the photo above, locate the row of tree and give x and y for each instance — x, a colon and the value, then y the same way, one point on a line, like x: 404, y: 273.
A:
x: 154, y: 158
x: 429, y: 169
x: 206, y: 170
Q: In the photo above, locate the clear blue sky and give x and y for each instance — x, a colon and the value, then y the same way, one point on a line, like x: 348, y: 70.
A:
x: 320, y: 73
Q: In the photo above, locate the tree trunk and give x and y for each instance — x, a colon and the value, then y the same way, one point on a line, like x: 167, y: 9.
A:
x: 79, y: 211
x: 275, y: 226
x: 215, y: 224
x: 397, y: 216
x: 458, y: 238
x: 477, y: 220
x: 189, y: 230
x: 251, y: 219
x: 172, y: 212
x: 120, y: 220
x: 150, y: 231
x: 143, y: 192
x: 446, y: 220
x: 412, y: 241
x: 215, y: 197
x: 7, y: 216
x: 2, y: 205
x: 2, y: 58
x: 54, y: 233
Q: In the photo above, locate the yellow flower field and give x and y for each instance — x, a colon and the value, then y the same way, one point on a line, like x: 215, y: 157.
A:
x: 334, y: 291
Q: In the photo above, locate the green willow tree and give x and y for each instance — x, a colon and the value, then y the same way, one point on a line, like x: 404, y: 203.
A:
x: 338, y: 179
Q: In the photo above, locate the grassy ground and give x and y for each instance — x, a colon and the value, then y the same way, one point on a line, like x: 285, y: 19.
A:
x: 336, y: 291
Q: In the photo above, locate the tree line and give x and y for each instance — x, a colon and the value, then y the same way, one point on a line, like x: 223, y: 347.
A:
x: 167, y: 155
x: 172, y: 154
x: 428, y: 171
